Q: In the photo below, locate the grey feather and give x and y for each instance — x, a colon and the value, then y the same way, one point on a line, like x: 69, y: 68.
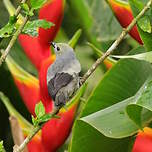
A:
x: 65, y: 62
x: 59, y: 81
x: 63, y: 74
x: 64, y: 94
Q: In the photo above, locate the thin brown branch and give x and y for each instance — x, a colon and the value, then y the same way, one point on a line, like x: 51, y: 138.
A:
x: 91, y: 70
x: 14, y: 38
x: 34, y: 131
x: 115, y: 44
x: 16, y: 130
x: 12, y: 41
x: 17, y: 12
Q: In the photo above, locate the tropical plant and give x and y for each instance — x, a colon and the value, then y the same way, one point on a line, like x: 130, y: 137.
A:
x: 112, y: 109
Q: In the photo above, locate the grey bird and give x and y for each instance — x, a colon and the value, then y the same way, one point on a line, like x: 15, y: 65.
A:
x: 63, y: 74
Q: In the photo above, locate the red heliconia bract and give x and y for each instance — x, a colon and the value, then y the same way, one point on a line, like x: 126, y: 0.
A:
x: 54, y: 14
x: 38, y: 48
x: 27, y: 85
x: 45, y: 97
x: 143, y: 142
x: 32, y: 90
x: 34, y: 50
x: 29, y: 92
x: 56, y: 130
x: 35, y: 145
x: 124, y: 15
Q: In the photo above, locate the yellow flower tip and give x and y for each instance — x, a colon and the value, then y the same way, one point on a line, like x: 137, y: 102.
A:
x: 120, y: 3
x: 20, y: 74
x: 68, y: 107
x: 37, y: 137
x: 47, y: 2
x: 53, y: 57
x: 146, y: 131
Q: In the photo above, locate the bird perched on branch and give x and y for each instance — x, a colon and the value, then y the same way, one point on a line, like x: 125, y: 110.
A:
x: 63, y: 74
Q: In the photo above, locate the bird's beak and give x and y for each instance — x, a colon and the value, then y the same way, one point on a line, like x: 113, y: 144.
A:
x: 53, y: 44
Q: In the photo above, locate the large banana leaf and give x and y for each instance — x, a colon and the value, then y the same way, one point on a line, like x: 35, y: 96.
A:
x: 117, y: 89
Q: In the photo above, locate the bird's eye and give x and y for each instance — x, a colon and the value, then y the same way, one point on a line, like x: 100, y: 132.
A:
x: 58, y: 49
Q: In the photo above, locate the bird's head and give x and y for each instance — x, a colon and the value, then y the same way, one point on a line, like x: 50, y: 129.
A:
x: 61, y: 48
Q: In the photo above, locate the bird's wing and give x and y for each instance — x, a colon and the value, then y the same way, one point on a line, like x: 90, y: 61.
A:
x: 67, y: 63
x: 57, y: 82
x: 53, y: 69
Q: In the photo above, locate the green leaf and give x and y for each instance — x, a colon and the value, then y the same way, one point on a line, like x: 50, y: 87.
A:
x: 35, y: 121
x: 99, y: 53
x: 56, y: 116
x: 36, y: 4
x: 45, y: 118
x: 13, y: 112
x: 102, y: 119
x: 144, y: 24
x: 7, y: 30
x: 75, y: 38
x: 89, y: 139
x: 114, y: 92
x: 1, y: 147
x: 142, y: 56
x: 121, y: 126
x: 96, y: 19
x: 31, y: 28
x: 146, y: 37
x: 112, y: 122
x: 134, y: 113
x: 140, y: 111
x: 26, y: 9
x: 39, y: 110
x: 39, y: 120
x: 12, y: 19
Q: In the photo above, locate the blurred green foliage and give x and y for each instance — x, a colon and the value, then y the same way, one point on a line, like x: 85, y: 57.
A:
x: 70, y: 24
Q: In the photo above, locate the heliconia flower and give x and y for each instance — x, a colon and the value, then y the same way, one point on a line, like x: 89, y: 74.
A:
x: 38, y: 48
x: 51, y: 11
x: 60, y: 128
x: 108, y: 64
x: 124, y: 15
x: 27, y: 84
x: 35, y: 145
x: 143, y: 142
x: 45, y: 97
x: 32, y: 90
